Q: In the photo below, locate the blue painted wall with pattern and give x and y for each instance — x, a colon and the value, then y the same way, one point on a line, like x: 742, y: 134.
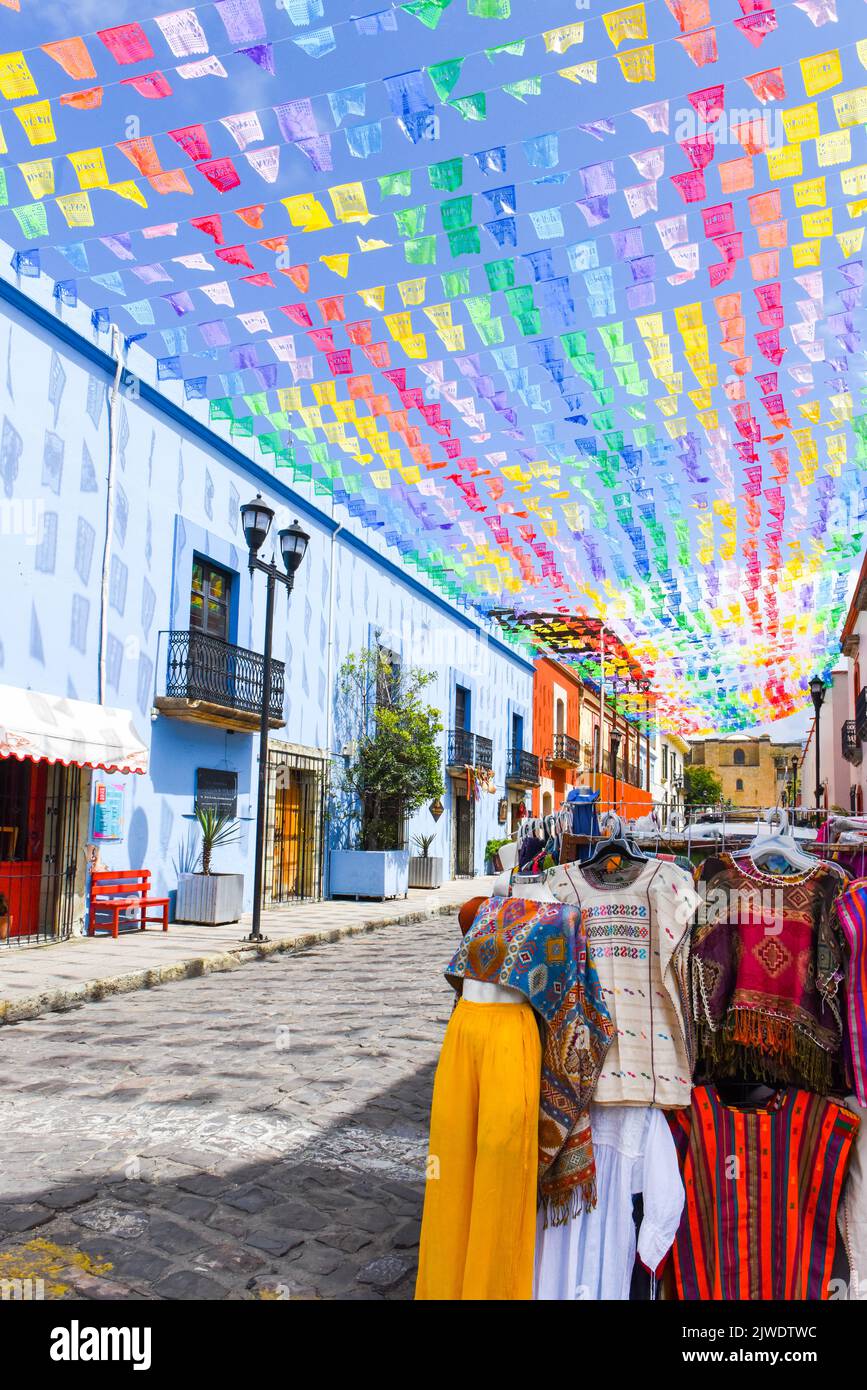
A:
x: 176, y: 498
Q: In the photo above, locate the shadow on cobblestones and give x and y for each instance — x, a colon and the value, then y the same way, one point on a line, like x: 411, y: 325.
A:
x: 338, y: 1217
x: 160, y: 1169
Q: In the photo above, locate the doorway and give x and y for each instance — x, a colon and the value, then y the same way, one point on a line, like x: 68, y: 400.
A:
x: 294, y: 838
x: 40, y: 806
x: 465, y: 836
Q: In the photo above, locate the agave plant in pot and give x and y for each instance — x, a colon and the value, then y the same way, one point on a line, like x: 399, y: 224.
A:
x: 206, y: 898
x: 425, y: 869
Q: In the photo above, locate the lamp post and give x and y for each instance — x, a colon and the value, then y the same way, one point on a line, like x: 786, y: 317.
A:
x: 794, y: 781
x: 616, y: 736
x: 817, y: 692
x: 256, y: 518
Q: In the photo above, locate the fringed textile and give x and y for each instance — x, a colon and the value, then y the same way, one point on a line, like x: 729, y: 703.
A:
x: 540, y: 950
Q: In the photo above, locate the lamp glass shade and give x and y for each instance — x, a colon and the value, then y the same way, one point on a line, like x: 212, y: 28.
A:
x: 615, y: 741
x: 817, y: 690
x: 256, y: 518
x: 293, y: 546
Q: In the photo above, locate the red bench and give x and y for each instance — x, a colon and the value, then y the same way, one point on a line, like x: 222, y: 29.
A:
x: 113, y: 892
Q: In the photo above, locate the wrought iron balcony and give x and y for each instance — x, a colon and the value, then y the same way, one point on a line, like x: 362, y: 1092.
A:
x: 851, y: 743
x: 566, y: 751
x: 522, y: 768
x: 629, y: 773
x: 861, y: 714
x: 466, y: 749
x: 210, y: 681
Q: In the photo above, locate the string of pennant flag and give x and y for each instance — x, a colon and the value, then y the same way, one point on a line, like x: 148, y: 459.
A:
x: 296, y: 120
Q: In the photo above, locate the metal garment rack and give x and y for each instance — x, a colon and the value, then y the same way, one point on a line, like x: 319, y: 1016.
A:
x: 734, y: 833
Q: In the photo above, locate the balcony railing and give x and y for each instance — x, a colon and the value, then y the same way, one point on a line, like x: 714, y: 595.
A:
x: 566, y: 750
x: 522, y: 768
x: 851, y: 743
x: 213, y: 678
x: 629, y: 773
x: 861, y: 714
x: 466, y: 749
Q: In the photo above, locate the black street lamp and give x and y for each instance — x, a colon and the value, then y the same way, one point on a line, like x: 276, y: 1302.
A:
x: 794, y: 780
x: 256, y: 518
x: 615, y: 745
x: 817, y: 692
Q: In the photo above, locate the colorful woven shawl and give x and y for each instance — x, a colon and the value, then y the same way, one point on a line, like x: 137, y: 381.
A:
x: 852, y: 915
x: 540, y: 949
x: 766, y: 962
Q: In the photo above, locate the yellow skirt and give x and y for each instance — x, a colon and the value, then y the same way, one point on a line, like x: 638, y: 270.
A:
x: 479, y: 1224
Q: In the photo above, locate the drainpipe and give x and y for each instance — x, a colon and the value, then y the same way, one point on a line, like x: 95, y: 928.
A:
x: 602, y: 632
x: 580, y: 721
x: 117, y: 353
x: 329, y: 693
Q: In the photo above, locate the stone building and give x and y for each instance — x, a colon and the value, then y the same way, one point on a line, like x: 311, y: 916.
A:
x: 753, y: 771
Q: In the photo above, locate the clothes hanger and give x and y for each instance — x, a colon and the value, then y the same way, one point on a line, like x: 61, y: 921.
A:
x: 615, y: 844
x: 778, y: 843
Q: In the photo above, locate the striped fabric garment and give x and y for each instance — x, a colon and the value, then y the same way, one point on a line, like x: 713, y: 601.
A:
x: 762, y: 1188
x: 852, y: 915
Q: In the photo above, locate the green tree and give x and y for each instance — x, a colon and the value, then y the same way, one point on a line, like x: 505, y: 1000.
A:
x: 701, y: 787
x: 395, y: 763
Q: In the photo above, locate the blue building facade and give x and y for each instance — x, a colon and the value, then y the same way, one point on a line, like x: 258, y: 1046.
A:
x: 121, y: 596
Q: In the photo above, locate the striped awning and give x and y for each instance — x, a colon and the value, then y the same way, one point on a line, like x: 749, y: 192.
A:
x: 53, y: 729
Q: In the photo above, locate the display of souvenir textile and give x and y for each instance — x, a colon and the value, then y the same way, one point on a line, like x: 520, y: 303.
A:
x: 594, y: 1254
x: 766, y: 966
x: 638, y: 918
x: 540, y: 949
x: 581, y: 804
x: 762, y: 1225
x: 852, y: 916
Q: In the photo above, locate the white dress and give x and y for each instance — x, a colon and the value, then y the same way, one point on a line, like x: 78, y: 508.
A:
x: 593, y: 1255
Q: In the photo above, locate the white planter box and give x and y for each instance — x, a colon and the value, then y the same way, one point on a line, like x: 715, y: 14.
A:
x: 425, y: 872
x: 209, y: 899
x: 369, y: 873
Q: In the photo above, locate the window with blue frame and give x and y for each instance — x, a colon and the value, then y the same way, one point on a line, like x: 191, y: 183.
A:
x: 210, y: 597
x: 462, y: 707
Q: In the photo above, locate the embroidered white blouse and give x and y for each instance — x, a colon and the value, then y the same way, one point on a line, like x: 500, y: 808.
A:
x: 638, y: 919
x: 593, y: 1255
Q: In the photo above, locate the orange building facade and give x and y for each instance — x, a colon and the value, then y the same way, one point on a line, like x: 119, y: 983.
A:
x: 568, y: 738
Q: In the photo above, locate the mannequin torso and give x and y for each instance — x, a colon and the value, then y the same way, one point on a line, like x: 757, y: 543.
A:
x: 480, y: 992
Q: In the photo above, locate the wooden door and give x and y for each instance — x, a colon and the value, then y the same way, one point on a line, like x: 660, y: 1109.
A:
x: 465, y: 835
x: 287, y: 839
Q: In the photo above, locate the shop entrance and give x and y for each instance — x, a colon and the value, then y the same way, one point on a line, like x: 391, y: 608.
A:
x: 39, y: 841
x: 465, y: 835
x: 294, y: 834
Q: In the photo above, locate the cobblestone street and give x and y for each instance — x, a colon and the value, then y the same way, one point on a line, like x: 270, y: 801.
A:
x: 260, y: 1134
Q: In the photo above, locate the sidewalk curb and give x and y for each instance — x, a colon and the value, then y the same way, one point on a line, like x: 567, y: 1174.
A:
x: 92, y: 991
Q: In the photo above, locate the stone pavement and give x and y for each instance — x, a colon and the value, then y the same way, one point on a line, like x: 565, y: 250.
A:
x: 34, y: 981
x: 246, y: 1136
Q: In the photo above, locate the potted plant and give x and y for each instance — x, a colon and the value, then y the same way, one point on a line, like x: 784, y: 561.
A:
x: 206, y: 898
x: 425, y: 869
x: 392, y: 769
x: 492, y: 853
